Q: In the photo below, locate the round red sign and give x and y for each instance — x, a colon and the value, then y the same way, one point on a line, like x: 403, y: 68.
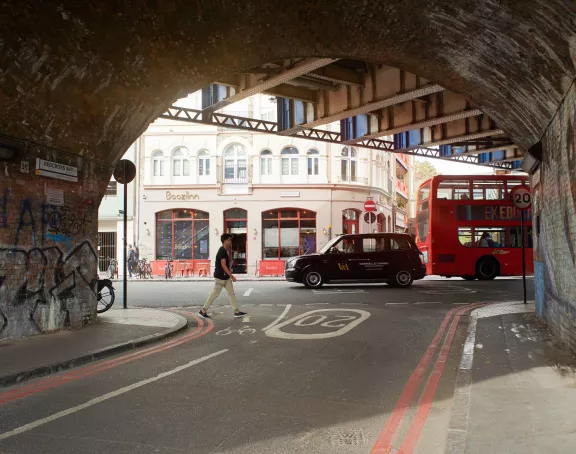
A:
x: 369, y: 206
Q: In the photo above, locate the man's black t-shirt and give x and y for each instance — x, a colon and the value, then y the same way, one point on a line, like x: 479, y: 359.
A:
x: 219, y: 272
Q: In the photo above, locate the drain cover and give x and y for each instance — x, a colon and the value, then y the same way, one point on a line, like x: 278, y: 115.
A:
x: 347, y: 437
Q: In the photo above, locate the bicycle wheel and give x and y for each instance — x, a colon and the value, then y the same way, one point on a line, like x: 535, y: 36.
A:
x: 106, y: 298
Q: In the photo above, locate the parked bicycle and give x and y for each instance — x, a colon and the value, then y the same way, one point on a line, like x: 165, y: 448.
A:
x: 105, y: 295
x: 144, y: 269
x: 169, y: 269
x: 112, y: 268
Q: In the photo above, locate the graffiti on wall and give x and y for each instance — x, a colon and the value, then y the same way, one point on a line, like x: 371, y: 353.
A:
x: 39, y: 288
x: 56, y: 224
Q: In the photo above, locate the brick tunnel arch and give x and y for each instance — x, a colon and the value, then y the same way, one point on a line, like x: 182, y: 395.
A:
x: 74, y: 79
x: 80, y: 81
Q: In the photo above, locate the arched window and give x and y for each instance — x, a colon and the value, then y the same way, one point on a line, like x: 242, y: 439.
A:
x: 235, y: 164
x: 288, y: 232
x: 348, y: 164
x: 312, y: 162
x: 182, y: 235
x: 180, y: 162
x: 289, y: 161
x: 350, y: 221
x: 265, y: 162
x: 158, y: 163
x: 204, y: 163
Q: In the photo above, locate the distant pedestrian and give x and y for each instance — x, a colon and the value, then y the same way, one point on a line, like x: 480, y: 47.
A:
x: 223, y: 278
x: 131, y: 256
x: 136, y: 261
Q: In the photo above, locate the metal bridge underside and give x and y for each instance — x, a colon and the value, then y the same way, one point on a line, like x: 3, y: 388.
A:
x: 376, y: 106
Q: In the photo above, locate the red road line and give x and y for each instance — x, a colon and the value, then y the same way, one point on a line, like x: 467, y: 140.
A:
x: 417, y: 425
x: 100, y: 365
x: 384, y: 441
x: 91, y: 370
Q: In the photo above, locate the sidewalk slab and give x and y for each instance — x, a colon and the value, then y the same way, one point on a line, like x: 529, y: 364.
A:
x: 518, y: 392
x: 202, y: 279
x: 115, y: 331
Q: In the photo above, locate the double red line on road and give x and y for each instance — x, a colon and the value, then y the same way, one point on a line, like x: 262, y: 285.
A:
x: 383, y: 444
x: 49, y: 383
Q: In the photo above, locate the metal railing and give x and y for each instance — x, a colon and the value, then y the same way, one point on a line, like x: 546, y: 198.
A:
x: 235, y: 174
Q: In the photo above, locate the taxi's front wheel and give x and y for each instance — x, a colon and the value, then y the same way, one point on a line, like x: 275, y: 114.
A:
x: 313, y: 279
x: 401, y: 279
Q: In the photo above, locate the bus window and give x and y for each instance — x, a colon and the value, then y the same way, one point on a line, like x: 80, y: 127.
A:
x: 488, y: 190
x: 424, y: 193
x: 453, y: 190
x: 490, y: 237
x: 515, y: 237
x: 465, y: 236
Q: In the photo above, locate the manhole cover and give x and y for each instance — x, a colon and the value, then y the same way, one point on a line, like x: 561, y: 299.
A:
x: 347, y: 437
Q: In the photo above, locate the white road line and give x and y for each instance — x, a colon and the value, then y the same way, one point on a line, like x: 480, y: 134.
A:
x: 275, y: 322
x: 266, y: 305
x: 246, y: 319
x: 110, y: 395
x: 428, y: 302
x: 394, y: 304
x: 247, y: 292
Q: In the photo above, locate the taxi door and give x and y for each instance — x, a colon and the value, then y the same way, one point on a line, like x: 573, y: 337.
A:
x: 344, y: 258
x: 374, y: 263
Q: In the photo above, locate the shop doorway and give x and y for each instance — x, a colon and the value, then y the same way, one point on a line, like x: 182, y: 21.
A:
x: 236, y: 223
x: 350, y: 221
x: 106, y: 250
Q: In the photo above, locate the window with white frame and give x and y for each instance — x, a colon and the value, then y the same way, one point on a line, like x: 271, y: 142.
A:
x: 158, y: 163
x: 313, y: 162
x: 265, y: 162
x: 348, y: 164
x: 289, y: 161
x: 235, y: 164
x: 204, y: 163
x: 180, y: 163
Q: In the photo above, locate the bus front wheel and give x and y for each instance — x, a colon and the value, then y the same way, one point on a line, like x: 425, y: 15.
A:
x: 487, y: 269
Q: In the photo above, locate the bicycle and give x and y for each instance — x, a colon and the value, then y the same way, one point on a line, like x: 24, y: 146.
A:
x: 168, y: 269
x: 105, y: 295
x: 144, y: 269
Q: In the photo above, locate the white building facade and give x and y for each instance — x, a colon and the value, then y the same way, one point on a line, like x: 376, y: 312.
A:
x: 279, y: 196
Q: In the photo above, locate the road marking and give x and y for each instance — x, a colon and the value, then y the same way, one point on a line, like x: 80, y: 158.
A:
x: 417, y: 425
x: 394, y: 304
x: 247, y: 292
x: 100, y: 367
x: 266, y: 305
x: 246, y: 319
x: 110, y: 395
x: 428, y: 302
x: 384, y: 442
x: 344, y: 327
x: 275, y: 322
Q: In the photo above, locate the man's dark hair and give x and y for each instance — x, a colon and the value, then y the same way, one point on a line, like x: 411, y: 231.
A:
x: 225, y: 236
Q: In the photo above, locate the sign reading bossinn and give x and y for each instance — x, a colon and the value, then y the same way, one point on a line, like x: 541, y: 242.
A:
x: 186, y: 196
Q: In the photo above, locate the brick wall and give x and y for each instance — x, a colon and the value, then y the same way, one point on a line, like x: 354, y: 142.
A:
x: 555, y: 210
x: 48, y: 246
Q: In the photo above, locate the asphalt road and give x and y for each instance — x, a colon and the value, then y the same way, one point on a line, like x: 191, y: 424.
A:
x: 335, y: 370
x: 249, y: 293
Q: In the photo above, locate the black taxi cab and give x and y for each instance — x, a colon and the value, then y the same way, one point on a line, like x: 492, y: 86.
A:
x: 375, y: 257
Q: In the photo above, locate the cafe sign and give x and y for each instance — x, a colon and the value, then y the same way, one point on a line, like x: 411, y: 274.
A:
x: 185, y: 196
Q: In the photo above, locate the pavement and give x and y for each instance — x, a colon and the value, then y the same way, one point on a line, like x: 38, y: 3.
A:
x: 444, y: 367
x: 117, y: 330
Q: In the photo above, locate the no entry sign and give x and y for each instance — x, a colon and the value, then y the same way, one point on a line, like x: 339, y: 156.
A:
x: 369, y: 206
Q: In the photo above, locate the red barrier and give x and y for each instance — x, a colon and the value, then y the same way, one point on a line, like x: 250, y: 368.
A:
x: 182, y: 268
x: 270, y: 268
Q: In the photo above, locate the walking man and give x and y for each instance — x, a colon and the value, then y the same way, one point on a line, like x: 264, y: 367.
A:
x: 223, y: 278
x: 131, y: 256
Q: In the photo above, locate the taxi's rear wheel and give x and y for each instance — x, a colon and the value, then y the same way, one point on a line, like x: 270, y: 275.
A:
x: 313, y: 279
x: 402, y: 279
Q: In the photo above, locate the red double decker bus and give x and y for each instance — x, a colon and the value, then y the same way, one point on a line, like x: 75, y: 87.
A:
x: 467, y: 227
